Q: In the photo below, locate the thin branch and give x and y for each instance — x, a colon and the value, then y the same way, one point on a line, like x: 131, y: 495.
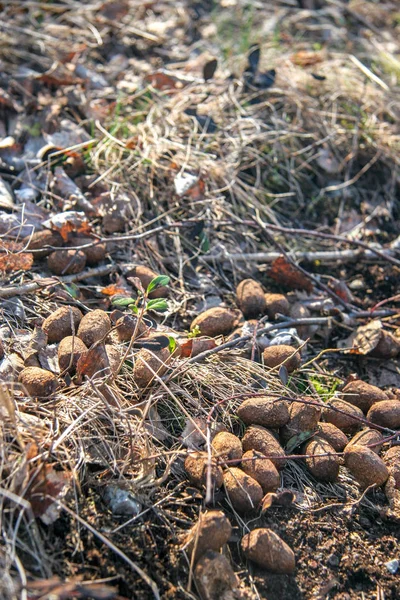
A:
x: 44, y: 282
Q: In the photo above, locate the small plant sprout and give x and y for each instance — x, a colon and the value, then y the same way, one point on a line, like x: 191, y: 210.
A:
x: 142, y: 303
x: 194, y: 333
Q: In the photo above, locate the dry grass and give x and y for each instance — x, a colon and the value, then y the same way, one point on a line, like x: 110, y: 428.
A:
x: 266, y: 158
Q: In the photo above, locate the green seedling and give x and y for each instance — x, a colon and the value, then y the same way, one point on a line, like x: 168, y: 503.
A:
x: 142, y: 303
x: 194, y: 333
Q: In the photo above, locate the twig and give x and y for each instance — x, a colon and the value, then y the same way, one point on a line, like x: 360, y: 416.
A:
x: 246, y: 338
x: 306, y: 274
x: 324, y: 257
x: 44, y: 282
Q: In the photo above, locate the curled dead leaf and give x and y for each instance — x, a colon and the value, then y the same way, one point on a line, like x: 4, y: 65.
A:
x: 286, y: 274
x: 12, y: 259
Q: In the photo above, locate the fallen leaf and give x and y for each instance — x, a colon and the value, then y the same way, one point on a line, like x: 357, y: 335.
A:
x: 93, y: 361
x: 298, y: 439
x: 340, y: 289
x: 286, y: 274
x: 304, y: 58
x: 13, y: 259
x: 47, y: 485
x: 190, y: 185
x: 6, y: 199
x: 163, y: 81
x: 268, y: 501
x: 70, y: 193
x: 366, y: 337
x: 209, y: 69
x: 57, y: 75
x: 195, y: 346
x: 112, y: 290
x: 67, y: 222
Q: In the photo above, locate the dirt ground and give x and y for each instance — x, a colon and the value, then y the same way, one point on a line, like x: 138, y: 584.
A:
x: 210, y: 142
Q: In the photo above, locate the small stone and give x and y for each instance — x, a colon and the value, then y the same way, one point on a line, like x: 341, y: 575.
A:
x: 385, y: 413
x: 323, y: 467
x: 269, y: 551
x: 392, y: 566
x: 392, y: 461
x: 214, y: 577
x: 215, y: 321
x: 274, y: 356
x: 263, y: 441
x: 366, y: 467
x: 333, y: 435
x: 121, y: 502
x: 70, y: 350
x: 148, y: 363
x: 365, y: 437
x: 262, y: 470
x: 250, y: 298
x: 299, y: 311
x: 66, y: 262
x: 126, y: 326
x: 114, y: 222
x: 227, y: 447
x: 276, y: 304
x: 197, y: 466
x: 40, y: 239
x: 244, y: 492
x: 362, y: 394
x: 211, y: 532
x: 267, y: 411
x: 303, y: 417
x: 146, y: 275
x: 333, y: 561
x: 94, y: 327
x: 61, y: 323
x: 94, y: 254
x: 343, y: 420
x: 38, y: 383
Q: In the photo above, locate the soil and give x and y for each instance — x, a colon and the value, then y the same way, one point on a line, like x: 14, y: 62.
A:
x: 113, y: 130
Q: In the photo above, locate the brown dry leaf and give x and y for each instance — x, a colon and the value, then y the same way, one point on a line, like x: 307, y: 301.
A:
x: 366, y: 337
x: 93, y: 361
x: 304, y: 58
x: 112, y: 290
x: 163, y: 81
x: 58, y: 75
x: 194, y: 346
x: 67, y: 222
x: 46, y: 486
x: 14, y: 260
x: 268, y: 501
x: 284, y: 273
x: 340, y: 288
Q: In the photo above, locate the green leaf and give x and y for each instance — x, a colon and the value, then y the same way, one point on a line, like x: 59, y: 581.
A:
x: 158, y: 304
x: 194, y: 333
x: 134, y: 308
x: 72, y: 289
x: 172, y: 344
x: 159, y: 281
x: 204, y: 242
x: 122, y: 301
x: 298, y: 439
